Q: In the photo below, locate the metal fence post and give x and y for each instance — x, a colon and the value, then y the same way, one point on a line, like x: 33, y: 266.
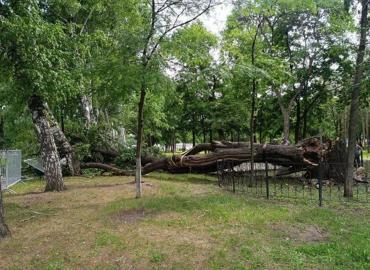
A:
x: 222, y: 173
x: 267, y: 180
x: 266, y: 176
x: 319, y: 178
x: 219, y: 173
x: 6, y: 168
x: 233, y: 175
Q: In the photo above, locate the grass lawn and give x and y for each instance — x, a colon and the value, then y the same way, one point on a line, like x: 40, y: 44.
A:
x: 366, y: 154
x: 182, y: 222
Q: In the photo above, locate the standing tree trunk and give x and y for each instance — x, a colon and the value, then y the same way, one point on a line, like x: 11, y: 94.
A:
x: 156, y: 34
x: 139, y: 139
x: 2, y: 134
x: 174, y: 142
x: 304, y: 132
x: 252, y: 127
x: 87, y: 108
x: 286, y: 124
x: 4, y: 230
x: 65, y: 149
x: 254, y: 95
x: 363, y: 129
x: 344, y: 124
x: 193, y: 129
x: 49, y: 151
x: 354, y: 111
x: 367, y: 127
x: 298, y: 121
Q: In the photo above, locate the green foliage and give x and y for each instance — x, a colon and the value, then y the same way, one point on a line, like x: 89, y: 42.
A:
x: 192, y: 45
x: 198, y: 84
x: 153, y: 151
x: 38, y: 53
x: 126, y: 158
x: 82, y: 151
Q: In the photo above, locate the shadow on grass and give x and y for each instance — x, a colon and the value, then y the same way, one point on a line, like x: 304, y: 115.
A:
x: 191, y: 178
x: 92, y: 186
x: 214, y: 206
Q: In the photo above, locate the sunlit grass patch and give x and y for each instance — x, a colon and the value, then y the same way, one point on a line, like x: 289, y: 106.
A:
x: 181, y: 222
x: 32, y: 185
x: 105, y: 238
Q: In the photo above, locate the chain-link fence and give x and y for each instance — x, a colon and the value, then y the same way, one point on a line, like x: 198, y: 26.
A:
x: 10, y: 167
x: 274, y: 182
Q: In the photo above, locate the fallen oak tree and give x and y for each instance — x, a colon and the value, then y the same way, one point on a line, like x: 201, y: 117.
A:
x: 305, y: 156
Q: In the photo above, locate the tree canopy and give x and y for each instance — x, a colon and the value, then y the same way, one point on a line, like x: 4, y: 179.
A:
x: 115, y: 73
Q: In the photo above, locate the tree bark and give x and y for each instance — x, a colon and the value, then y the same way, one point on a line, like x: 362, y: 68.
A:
x: 302, y: 157
x: 298, y: 121
x: 4, y: 229
x: 2, y: 133
x: 305, y: 156
x: 286, y: 125
x: 87, y: 109
x: 65, y: 149
x: 49, y: 151
x: 367, y: 127
x: 254, y: 95
x: 139, y: 139
x: 355, y: 98
x: 193, y: 129
x: 106, y: 167
x: 304, y: 133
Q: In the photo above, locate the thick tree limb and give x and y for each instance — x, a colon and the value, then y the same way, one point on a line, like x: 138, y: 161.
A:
x: 305, y: 156
x: 115, y: 170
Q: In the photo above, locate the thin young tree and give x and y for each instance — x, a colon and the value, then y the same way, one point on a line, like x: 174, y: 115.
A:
x: 254, y: 96
x: 163, y: 18
x: 354, y: 115
x: 4, y: 230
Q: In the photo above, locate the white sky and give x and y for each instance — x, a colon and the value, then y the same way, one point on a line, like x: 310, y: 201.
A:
x: 215, y: 21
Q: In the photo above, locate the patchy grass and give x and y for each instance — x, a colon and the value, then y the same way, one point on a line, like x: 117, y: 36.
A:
x: 182, y: 222
x: 366, y: 154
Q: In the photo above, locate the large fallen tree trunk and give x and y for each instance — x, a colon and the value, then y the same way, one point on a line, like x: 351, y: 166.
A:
x: 106, y: 167
x: 305, y: 156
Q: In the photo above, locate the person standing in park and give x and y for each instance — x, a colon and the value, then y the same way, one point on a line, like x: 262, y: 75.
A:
x: 358, y: 150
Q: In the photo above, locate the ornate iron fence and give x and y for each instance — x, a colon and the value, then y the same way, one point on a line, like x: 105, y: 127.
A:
x: 267, y: 181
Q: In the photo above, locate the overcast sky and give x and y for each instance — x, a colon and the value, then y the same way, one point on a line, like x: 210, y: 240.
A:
x: 215, y: 21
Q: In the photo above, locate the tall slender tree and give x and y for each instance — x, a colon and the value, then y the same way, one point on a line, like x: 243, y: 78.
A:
x: 354, y: 115
x: 4, y: 230
x: 163, y: 17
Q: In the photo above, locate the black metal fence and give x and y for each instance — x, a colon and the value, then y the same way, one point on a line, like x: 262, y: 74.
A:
x: 268, y: 182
